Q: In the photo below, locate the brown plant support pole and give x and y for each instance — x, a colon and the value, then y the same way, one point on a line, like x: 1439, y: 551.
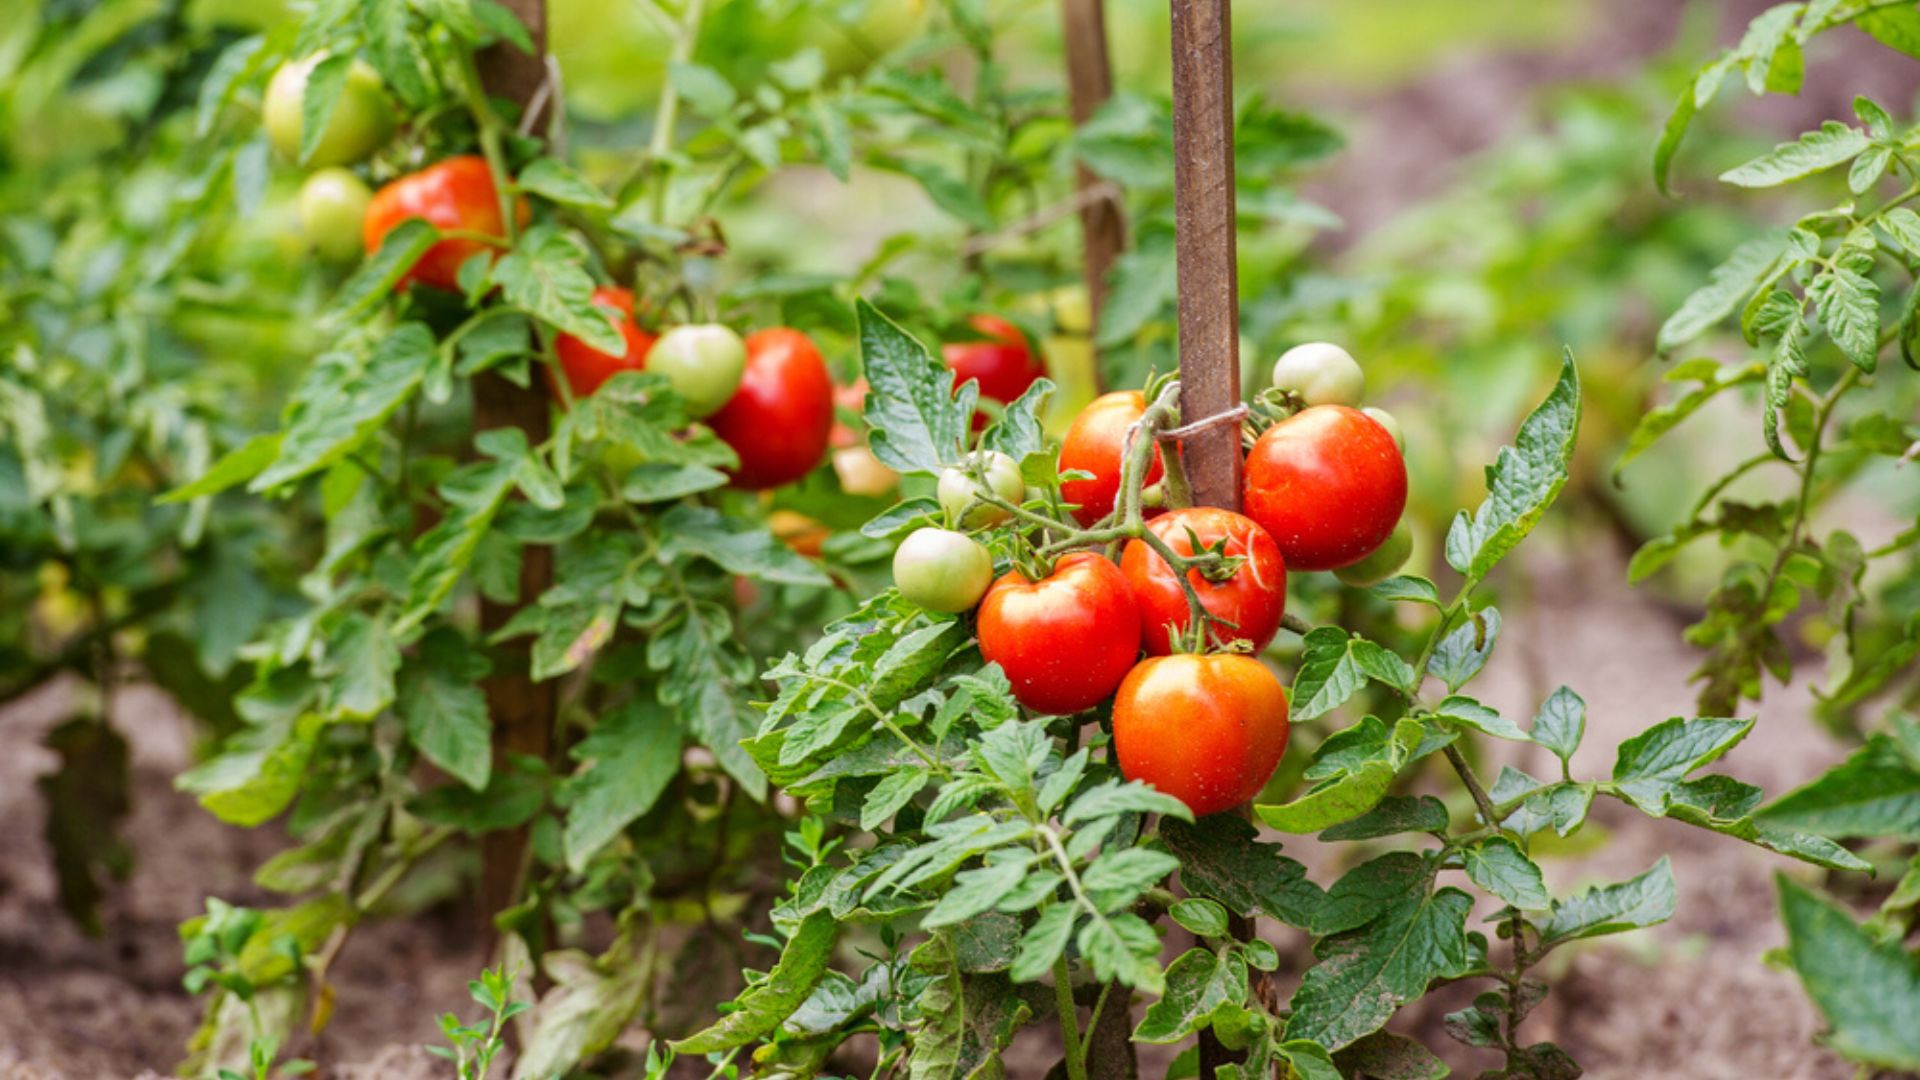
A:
x: 1103, y: 230
x: 1204, y: 227
x: 522, y: 710
x: 1209, y: 280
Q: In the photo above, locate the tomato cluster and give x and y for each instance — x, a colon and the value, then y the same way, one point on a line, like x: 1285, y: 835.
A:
x: 1198, y: 716
x: 769, y: 396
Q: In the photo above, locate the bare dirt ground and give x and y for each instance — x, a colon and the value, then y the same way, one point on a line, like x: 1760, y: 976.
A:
x: 1692, y: 998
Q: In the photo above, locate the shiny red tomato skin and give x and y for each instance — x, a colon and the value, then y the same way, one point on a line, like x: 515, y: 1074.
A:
x: 1094, y: 444
x: 1328, y: 484
x: 780, y: 419
x: 1206, y: 729
x: 454, y: 194
x: 1253, y: 599
x: 1004, y: 364
x: 587, y: 367
x: 1065, y: 641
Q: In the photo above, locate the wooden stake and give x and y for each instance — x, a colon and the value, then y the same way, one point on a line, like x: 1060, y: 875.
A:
x: 1209, y: 282
x: 1103, y: 228
x: 1204, y: 224
x: 522, y: 710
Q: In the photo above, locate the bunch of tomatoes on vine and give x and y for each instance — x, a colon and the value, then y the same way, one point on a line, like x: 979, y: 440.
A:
x: 1117, y: 561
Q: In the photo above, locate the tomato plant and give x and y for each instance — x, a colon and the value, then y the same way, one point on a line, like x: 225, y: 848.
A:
x: 1835, y: 412
x: 1022, y: 841
x: 496, y: 554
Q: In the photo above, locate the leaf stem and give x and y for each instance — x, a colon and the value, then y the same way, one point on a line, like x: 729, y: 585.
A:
x: 1069, y: 1019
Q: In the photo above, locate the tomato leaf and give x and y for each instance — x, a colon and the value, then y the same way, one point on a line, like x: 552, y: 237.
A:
x: 763, y: 1006
x: 627, y: 762
x: 1522, y: 482
x: 918, y: 424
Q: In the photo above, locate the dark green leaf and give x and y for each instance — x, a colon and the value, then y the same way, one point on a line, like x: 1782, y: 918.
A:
x: 1646, y: 900
x: 1522, y: 482
x: 918, y: 425
x: 765, y: 1005
x: 1868, y: 991
x: 1829, y: 145
x: 627, y: 762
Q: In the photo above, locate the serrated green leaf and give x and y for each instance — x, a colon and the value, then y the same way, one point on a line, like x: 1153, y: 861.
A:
x: 1499, y: 866
x: 1465, y: 649
x: 1727, y: 286
x: 767, y: 1004
x: 918, y: 425
x: 893, y: 792
x: 1815, y: 151
x: 1335, y: 665
x: 1875, y: 792
x: 1522, y: 482
x: 1560, y: 723
x: 242, y: 463
x: 1221, y: 857
x: 1394, y: 814
x: 444, y: 710
x: 1363, y: 975
x: 1848, y: 303
x: 627, y: 762
x: 555, y: 180
x: 1868, y: 991
x: 1646, y: 900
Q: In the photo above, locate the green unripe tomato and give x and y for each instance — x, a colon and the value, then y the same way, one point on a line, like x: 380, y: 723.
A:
x: 1381, y: 563
x: 704, y: 362
x: 1321, y: 373
x: 942, y: 570
x: 333, y: 204
x: 1002, y: 476
x: 1385, y: 419
x: 360, y: 122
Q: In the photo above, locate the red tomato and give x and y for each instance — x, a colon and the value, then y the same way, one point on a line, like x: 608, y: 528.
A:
x: 779, y: 419
x: 1253, y: 599
x: 1004, y: 364
x: 1207, y: 730
x: 455, y: 194
x: 1328, y: 483
x: 1066, y: 640
x: 588, y: 367
x: 1094, y: 444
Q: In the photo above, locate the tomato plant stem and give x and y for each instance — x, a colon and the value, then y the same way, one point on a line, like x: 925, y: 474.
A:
x: 1069, y: 1019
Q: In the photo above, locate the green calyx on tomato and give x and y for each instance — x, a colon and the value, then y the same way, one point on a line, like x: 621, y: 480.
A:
x: 1251, y: 596
x: 360, y: 122
x: 333, y: 207
x: 959, y: 495
x: 1320, y: 373
x: 1381, y: 563
x: 704, y: 363
x: 1206, y: 729
x: 942, y: 570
